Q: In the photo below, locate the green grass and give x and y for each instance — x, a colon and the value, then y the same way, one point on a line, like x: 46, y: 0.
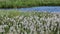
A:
x: 13, y: 13
x: 27, y: 3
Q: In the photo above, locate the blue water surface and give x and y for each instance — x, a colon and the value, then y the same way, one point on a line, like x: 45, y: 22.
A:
x: 42, y: 8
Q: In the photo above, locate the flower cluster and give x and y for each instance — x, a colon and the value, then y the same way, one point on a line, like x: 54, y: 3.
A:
x: 33, y: 24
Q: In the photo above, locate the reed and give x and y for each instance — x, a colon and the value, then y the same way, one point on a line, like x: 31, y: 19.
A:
x: 27, y: 3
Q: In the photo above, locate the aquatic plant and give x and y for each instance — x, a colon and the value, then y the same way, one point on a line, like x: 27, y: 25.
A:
x: 29, y: 23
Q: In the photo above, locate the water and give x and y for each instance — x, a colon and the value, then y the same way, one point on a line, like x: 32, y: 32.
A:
x: 42, y: 8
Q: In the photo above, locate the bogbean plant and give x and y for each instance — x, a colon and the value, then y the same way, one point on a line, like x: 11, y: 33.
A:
x: 36, y: 23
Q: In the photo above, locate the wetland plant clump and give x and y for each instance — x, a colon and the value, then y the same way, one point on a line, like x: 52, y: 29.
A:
x: 30, y: 23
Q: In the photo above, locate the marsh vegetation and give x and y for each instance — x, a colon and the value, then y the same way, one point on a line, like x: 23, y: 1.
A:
x: 27, y: 3
x: 16, y: 22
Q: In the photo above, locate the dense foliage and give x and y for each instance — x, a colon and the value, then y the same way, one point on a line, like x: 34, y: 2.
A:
x: 27, y: 3
x: 15, y: 22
